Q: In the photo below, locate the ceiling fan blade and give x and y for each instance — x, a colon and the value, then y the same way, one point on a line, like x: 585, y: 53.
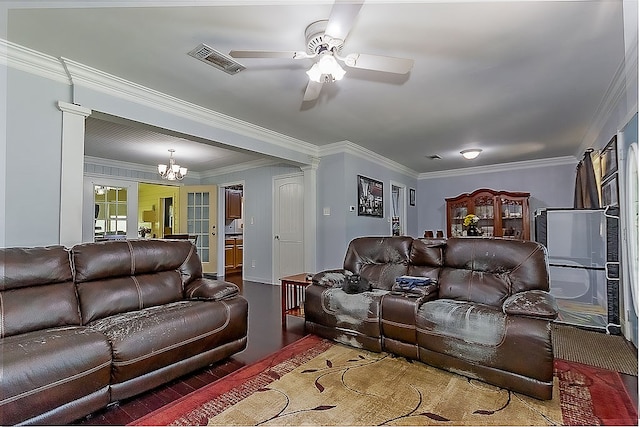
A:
x: 341, y: 19
x: 387, y: 64
x: 269, y: 54
x: 313, y: 90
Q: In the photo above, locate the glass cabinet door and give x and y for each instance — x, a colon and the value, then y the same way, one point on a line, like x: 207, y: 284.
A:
x: 457, y: 212
x: 512, y: 212
x: 483, y: 209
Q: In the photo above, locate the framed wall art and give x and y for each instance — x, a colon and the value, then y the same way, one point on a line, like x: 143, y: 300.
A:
x: 370, y: 202
x: 609, y: 159
x: 412, y: 197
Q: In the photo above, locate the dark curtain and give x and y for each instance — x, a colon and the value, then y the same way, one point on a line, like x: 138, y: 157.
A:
x: 586, y: 192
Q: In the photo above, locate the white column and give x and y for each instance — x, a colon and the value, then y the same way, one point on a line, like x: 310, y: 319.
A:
x: 72, y: 172
x: 310, y: 214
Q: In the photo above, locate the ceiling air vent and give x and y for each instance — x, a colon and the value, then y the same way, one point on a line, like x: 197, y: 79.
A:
x: 212, y: 57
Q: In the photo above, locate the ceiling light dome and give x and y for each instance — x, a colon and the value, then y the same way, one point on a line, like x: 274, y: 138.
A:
x: 471, y: 153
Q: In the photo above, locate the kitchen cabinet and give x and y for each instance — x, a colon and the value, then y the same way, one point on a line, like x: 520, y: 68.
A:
x: 233, y: 203
x: 233, y: 254
x: 501, y: 213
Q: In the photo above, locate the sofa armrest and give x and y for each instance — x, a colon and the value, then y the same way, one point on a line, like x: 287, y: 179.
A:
x: 329, y: 278
x: 210, y: 289
x: 534, y: 303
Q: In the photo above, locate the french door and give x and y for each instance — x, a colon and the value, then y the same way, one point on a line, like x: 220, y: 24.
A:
x: 198, y: 213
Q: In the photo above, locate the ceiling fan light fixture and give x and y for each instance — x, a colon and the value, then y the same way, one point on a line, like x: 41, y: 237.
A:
x: 328, y: 67
x: 314, y: 73
x: 471, y: 153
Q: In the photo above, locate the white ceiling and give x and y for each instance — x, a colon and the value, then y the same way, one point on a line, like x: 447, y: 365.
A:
x: 521, y: 80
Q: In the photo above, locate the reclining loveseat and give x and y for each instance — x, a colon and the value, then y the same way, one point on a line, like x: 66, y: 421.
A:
x: 484, y: 313
x: 100, y: 322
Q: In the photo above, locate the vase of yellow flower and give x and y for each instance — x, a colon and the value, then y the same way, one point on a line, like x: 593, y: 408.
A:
x: 471, y: 223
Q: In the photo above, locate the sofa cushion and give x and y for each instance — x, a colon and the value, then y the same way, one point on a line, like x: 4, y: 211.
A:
x: 22, y: 267
x: 149, y: 339
x: 43, y: 370
x: 484, y: 336
x: 115, y: 277
x: 359, y: 312
x: 487, y: 271
x: 102, y: 298
x: 106, y: 260
x: 425, y: 259
x: 379, y: 259
x: 471, y: 323
x: 36, y: 291
x: 38, y: 307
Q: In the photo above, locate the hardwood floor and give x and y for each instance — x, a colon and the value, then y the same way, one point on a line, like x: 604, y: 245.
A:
x: 265, y: 337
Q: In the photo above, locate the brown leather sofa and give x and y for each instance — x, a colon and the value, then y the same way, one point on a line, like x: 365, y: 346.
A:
x: 487, y: 315
x: 100, y: 322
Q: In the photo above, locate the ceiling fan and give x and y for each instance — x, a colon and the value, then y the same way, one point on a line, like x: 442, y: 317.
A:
x: 325, y: 40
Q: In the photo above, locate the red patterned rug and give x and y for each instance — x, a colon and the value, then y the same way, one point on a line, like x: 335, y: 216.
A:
x: 307, y: 381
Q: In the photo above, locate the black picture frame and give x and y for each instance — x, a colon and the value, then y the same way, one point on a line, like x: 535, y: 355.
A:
x: 609, y: 159
x: 370, y: 197
x: 412, y: 197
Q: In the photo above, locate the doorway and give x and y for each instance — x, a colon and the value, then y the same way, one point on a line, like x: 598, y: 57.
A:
x: 233, y: 208
x: 398, y: 209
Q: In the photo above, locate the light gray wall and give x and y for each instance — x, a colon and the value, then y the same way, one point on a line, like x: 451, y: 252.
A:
x: 331, y: 229
x: 338, y: 189
x: 258, y: 205
x: 33, y: 159
x: 550, y: 186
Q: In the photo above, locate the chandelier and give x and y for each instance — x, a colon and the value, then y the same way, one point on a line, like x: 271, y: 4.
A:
x: 173, y: 172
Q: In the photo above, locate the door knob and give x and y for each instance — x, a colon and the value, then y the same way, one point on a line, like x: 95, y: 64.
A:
x: 277, y: 237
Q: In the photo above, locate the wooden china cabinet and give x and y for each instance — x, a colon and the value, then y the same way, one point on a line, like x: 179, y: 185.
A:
x: 501, y: 213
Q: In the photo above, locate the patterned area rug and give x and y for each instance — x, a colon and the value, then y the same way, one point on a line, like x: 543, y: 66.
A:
x: 316, y: 382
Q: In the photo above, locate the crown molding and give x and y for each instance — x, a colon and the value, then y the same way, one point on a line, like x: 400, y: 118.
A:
x: 348, y: 147
x: 501, y: 167
x: 33, y: 62
x: 240, y: 167
x: 101, y: 81
x: 625, y: 77
x: 99, y: 161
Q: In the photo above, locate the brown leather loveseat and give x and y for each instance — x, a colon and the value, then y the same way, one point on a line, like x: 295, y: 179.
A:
x: 487, y: 315
x: 100, y: 322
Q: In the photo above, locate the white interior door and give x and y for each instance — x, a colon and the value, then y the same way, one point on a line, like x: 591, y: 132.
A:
x: 198, y: 217
x: 288, y: 226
